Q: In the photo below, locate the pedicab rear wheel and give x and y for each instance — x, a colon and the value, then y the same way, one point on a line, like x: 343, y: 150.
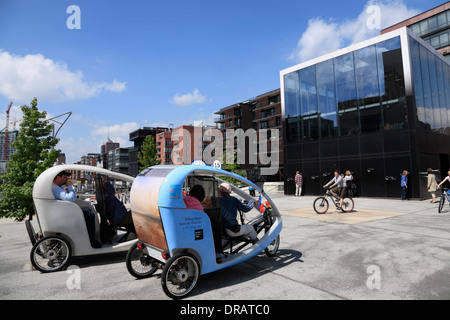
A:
x: 180, y: 275
x: 272, y: 249
x: 139, y: 264
x: 50, y: 254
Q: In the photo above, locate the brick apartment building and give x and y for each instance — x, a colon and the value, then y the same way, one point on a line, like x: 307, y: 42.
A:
x: 261, y: 112
x: 183, y: 144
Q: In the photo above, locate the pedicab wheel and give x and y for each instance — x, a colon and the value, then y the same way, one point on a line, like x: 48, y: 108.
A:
x: 139, y: 264
x: 50, y: 254
x: 34, y: 237
x: 272, y: 249
x: 180, y: 275
x: 320, y: 205
x: 347, y: 204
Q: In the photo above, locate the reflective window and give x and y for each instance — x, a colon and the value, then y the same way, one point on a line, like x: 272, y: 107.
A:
x: 442, y: 20
x: 441, y: 92
x: 327, y: 99
x: 346, y: 95
x: 292, y: 106
x: 367, y: 88
x: 432, y: 24
x: 291, y: 94
x: 417, y: 80
x: 446, y: 75
x: 308, y: 98
x: 429, y: 118
x: 436, y: 124
x: 392, y: 84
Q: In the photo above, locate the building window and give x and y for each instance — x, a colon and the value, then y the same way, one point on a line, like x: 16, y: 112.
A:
x: 327, y: 99
x: 308, y: 102
x: 392, y: 84
x: 292, y: 106
x: 346, y: 95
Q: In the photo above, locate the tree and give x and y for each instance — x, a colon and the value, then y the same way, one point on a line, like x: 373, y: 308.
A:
x: 232, y: 167
x: 147, y: 156
x: 34, y: 154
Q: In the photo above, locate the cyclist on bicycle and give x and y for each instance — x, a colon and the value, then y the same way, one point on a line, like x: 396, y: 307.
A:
x: 336, y: 185
x: 446, y: 179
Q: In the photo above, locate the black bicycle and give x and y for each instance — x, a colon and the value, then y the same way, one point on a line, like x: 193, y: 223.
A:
x: 445, y: 195
x: 321, y: 204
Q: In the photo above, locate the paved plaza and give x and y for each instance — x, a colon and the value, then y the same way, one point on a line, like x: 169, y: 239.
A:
x: 384, y: 249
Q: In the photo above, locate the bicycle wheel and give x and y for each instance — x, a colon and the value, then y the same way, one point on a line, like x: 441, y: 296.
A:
x: 320, y: 205
x: 347, y: 204
x: 50, y: 254
x: 139, y: 264
x: 441, y: 203
x: 180, y: 276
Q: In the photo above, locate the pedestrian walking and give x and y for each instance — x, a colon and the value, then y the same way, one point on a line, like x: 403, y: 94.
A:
x: 404, y: 184
x: 432, y: 184
x: 298, y: 184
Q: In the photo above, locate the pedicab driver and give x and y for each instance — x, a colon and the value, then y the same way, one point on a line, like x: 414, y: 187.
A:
x: 230, y: 205
x: 68, y: 194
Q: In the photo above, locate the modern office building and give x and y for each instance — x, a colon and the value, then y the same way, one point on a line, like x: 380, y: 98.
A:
x: 12, y: 135
x: 137, y: 137
x: 375, y: 108
x: 433, y: 26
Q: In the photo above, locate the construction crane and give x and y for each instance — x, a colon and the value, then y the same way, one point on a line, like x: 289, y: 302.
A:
x: 5, y: 155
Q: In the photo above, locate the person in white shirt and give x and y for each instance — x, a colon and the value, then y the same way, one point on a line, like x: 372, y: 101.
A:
x: 336, y: 186
x: 62, y: 190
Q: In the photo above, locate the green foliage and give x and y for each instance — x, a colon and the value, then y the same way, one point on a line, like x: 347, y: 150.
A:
x: 232, y: 167
x: 34, y: 154
x: 147, y: 156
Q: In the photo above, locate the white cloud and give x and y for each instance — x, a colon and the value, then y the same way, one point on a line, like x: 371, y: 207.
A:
x: 25, y: 77
x: 117, y: 133
x: 76, y: 147
x: 323, y: 36
x: 188, y: 99
x: 15, y: 114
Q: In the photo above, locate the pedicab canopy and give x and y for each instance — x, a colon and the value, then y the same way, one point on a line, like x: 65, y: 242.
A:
x: 160, y: 187
x: 43, y: 186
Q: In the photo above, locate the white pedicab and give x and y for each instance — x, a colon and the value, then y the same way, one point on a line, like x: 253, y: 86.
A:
x: 63, y: 231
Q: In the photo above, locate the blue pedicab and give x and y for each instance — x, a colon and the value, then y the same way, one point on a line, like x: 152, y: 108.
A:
x: 62, y: 227
x: 187, y: 243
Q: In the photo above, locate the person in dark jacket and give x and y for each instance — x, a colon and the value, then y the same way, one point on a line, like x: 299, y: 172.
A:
x: 116, y: 210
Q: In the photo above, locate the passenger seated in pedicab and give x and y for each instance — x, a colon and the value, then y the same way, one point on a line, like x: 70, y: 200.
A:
x: 117, y: 213
x: 194, y: 198
x: 230, y: 205
x: 68, y: 194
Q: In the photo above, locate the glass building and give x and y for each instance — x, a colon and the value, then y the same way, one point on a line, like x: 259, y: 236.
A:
x: 375, y: 108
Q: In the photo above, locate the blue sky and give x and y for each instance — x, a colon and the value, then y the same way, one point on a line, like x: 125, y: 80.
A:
x: 148, y: 63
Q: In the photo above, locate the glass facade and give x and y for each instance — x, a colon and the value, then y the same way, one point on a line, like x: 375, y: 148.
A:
x: 356, y: 93
x: 431, y: 88
x: 381, y: 107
